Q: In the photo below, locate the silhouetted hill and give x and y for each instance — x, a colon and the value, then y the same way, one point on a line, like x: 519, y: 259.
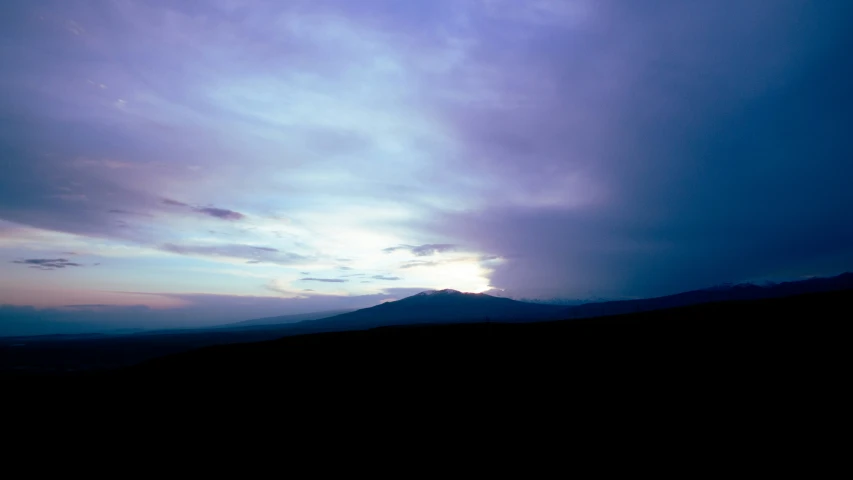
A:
x: 762, y: 365
x: 75, y: 353
x: 745, y: 342
x: 451, y: 306
x: 59, y: 354
x: 719, y: 293
x: 286, y: 319
x: 440, y: 306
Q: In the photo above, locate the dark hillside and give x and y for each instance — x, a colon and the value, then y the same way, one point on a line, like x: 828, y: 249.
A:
x: 745, y: 343
x: 764, y: 367
x: 440, y: 306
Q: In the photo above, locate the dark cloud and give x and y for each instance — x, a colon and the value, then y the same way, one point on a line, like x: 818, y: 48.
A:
x: 266, y: 249
x: 174, y: 203
x: 423, y: 250
x: 222, y: 213
x: 714, y: 141
x: 47, y: 263
x: 327, y: 280
x: 343, y: 268
x: 383, y: 277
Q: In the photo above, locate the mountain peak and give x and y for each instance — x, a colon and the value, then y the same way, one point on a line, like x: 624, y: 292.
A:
x: 432, y: 293
x: 446, y: 306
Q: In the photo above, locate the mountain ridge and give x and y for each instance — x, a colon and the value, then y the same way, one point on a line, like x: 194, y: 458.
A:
x: 436, y: 306
x: 718, y: 293
x: 452, y: 306
x: 440, y: 306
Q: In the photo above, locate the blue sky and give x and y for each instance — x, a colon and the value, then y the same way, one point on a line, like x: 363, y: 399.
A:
x: 211, y: 161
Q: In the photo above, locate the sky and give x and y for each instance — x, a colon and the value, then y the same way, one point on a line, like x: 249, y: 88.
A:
x: 185, y: 163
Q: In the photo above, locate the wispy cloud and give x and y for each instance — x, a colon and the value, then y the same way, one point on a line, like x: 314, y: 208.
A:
x: 47, y: 263
x: 326, y: 280
x: 174, y: 203
x: 222, y: 213
x: 266, y: 249
x: 418, y: 263
x: 424, y: 250
x: 128, y: 212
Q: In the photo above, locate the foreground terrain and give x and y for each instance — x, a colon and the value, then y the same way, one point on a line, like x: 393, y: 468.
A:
x: 769, y: 365
x: 753, y: 341
x: 747, y: 343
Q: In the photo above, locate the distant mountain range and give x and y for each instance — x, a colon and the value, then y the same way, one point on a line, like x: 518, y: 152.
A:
x: 441, y: 306
x: 52, y: 353
x: 738, y: 348
x: 451, y: 306
x: 714, y: 360
x: 720, y: 293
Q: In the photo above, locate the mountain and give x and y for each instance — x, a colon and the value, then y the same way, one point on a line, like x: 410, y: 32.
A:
x: 65, y: 353
x: 720, y: 293
x: 440, y: 306
x: 56, y: 354
x: 711, y: 366
x: 452, y: 306
x: 670, y: 355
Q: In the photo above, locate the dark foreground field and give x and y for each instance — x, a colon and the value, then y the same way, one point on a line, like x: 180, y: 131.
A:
x: 750, y: 342
x: 741, y: 344
x: 770, y: 361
